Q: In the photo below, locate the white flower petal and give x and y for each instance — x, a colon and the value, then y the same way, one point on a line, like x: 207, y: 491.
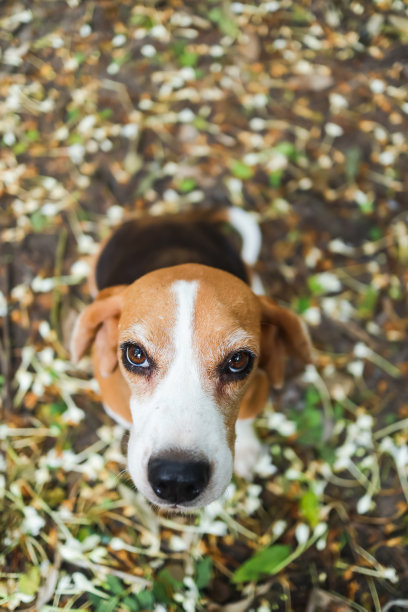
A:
x: 302, y: 533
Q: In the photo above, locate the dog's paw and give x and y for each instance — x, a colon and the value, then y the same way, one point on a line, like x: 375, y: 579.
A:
x: 248, y: 449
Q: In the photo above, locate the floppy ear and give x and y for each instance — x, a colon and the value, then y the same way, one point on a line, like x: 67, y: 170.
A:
x: 99, y: 322
x: 283, y: 334
x: 255, y: 397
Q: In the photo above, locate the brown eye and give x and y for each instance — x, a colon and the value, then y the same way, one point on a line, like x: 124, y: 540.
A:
x: 136, y: 356
x: 238, y: 362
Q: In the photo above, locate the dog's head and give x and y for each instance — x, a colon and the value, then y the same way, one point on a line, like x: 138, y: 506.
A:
x: 188, y: 341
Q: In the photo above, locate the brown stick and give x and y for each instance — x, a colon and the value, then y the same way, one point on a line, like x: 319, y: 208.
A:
x: 5, y: 348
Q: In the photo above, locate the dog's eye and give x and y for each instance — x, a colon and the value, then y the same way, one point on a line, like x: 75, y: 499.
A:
x: 136, y: 356
x: 237, y: 366
x: 238, y: 362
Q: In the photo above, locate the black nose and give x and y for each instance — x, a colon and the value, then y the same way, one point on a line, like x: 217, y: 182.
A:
x: 178, y: 481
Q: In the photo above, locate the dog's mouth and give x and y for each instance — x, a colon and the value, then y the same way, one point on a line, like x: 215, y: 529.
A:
x: 178, y: 508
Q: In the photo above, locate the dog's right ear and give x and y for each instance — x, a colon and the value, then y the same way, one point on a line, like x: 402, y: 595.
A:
x: 283, y: 334
x: 99, y: 323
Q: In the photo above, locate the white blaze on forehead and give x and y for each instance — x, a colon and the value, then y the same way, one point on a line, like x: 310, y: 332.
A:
x: 185, y: 293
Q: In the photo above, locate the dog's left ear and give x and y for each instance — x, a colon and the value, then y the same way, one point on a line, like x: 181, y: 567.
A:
x: 99, y: 322
x: 283, y: 335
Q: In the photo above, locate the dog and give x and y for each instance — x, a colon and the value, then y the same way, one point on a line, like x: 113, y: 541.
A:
x: 185, y: 351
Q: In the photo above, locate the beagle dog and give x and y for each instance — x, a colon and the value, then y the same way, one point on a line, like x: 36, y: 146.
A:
x: 184, y: 351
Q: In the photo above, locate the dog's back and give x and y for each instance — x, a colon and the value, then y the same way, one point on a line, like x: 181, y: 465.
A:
x: 144, y: 245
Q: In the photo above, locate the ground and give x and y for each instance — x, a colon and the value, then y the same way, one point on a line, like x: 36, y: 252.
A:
x: 298, y: 112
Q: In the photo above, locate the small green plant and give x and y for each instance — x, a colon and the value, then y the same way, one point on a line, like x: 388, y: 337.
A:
x: 117, y: 596
x: 184, y: 55
x: 29, y: 582
x: 241, y: 170
x: 187, y: 184
x: 224, y: 21
x: 367, y: 302
x: 309, y: 507
x: 309, y: 422
x: 288, y: 149
x: 302, y: 304
x: 264, y: 562
x: 353, y: 161
x: 38, y: 221
x: 275, y: 178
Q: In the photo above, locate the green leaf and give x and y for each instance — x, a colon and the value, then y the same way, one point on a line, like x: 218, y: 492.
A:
x: 53, y: 497
x: 20, y: 147
x: 309, y: 423
x: 287, y: 149
x: 83, y: 533
x: 187, y: 185
x: 203, y: 573
x: 215, y: 15
x: 145, y: 600
x: 73, y: 114
x: 344, y: 539
x: 122, y: 59
x: 179, y: 48
x: 226, y: 24
x: 75, y: 139
x: 115, y: 585
x: 367, y: 302
x: 302, y: 304
x: 29, y: 582
x: 375, y: 233
x: 241, y: 170
x: 353, y: 159
x: 57, y: 408
x: 188, y: 58
x: 264, y: 562
x: 315, y: 285
x: 108, y: 606
x: 200, y: 123
x: 327, y: 453
x: 338, y: 411
x: 301, y: 15
x: 80, y: 57
x: 32, y: 135
x: 94, y: 599
x: 130, y: 603
x: 105, y: 113
x: 366, y: 206
x: 312, y: 397
x: 165, y: 586
x: 275, y: 178
x: 144, y: 21
x: 38, y: 221
x: 309, y: 508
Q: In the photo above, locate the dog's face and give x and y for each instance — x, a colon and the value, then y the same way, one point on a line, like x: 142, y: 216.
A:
x: 188, y: 341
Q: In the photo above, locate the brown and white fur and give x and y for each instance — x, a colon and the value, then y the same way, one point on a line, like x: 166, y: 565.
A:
x: 175, y: 293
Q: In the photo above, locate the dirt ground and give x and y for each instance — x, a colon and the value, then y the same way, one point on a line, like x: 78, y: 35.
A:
x: 298, y: 112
